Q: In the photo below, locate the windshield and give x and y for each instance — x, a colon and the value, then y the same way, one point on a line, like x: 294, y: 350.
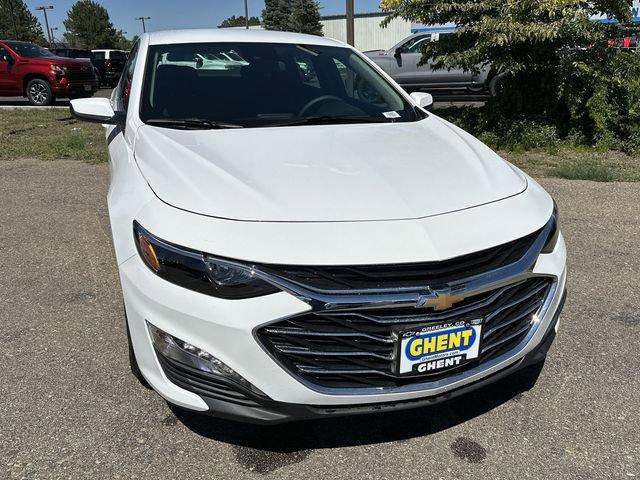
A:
x: 263, y: 84
x: 29, y: 50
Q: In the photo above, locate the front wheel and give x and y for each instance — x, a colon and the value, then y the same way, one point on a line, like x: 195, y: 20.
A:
x: 39, y: 92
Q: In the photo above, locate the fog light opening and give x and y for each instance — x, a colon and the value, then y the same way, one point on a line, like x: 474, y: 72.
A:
x: 180, y: 351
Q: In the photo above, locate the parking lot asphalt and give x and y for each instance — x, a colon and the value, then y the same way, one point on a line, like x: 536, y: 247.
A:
x: 69, y: 408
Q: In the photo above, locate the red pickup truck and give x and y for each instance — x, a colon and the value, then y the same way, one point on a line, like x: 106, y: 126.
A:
x: 33, y: 72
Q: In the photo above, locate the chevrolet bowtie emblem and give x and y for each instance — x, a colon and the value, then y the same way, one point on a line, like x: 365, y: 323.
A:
x: 437, y: 300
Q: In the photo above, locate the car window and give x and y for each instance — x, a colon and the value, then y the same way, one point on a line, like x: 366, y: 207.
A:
x: 30, y: 50
x: 124, y: 87
x: 4, y: 54
x: 308, y: 75
x: 263, y: 84
x: 98, y: 55
x: 415, y: 46
x: 117, y: 55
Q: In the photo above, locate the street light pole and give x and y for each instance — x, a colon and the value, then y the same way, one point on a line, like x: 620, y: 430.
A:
x: 350, y: 23
x: 53, y: 38
x: 44, y: 8
x: 246, y: 15
x: 142, y: 19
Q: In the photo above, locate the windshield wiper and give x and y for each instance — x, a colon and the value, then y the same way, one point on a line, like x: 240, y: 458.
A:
x: 328, y: 119
x: 190, y: 123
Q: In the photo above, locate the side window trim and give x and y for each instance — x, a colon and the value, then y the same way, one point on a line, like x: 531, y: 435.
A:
x: 127, y: 76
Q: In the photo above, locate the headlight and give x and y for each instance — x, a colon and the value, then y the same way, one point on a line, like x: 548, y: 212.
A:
x: 58, y: 70
x: 199, y: 271
x: 552, y: 239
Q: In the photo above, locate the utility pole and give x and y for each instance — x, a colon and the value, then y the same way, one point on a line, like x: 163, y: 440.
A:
x: 350, y: 23
x: 44, y: 8
x: 246, y: 15
x: 53, y: 38
x: 142, y: 19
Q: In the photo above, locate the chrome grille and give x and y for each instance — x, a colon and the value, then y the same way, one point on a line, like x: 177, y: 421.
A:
x: 335, y: 279
x: 350, y: 349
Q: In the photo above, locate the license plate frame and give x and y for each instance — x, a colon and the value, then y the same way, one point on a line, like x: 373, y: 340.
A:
x: 456, y: 353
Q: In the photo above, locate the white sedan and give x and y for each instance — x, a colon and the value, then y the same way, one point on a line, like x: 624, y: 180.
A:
x: 298, y: 237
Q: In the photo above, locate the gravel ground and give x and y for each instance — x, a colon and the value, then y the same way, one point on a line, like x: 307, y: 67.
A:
x: 69, y: 407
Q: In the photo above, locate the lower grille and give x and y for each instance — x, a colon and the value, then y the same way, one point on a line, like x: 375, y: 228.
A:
x: 76, y: 74
x: 351, y: 349
x: 202, y: 383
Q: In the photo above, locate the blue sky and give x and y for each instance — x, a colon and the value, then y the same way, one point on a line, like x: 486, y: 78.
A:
x: 166, y: 14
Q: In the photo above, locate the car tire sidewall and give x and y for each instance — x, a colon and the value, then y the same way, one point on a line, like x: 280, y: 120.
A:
x: 44, y: 87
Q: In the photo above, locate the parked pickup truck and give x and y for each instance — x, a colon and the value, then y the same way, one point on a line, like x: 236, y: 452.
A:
x: 109, y: 64
x: 402, y: 62
x: 33, y: 72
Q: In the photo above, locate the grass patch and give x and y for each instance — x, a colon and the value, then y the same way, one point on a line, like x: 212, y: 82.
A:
x: 49, y: 134
x: 579, y: 164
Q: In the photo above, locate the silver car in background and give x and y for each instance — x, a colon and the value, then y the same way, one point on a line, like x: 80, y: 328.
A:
x: 402, y: 62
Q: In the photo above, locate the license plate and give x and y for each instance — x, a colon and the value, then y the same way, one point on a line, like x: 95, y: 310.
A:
x: 87, y: 88
x: 437, y: 347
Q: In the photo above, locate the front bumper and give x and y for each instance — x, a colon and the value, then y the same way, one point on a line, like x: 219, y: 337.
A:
x: 68, y: 88
x: 255, y: 409
x: 225, y: 329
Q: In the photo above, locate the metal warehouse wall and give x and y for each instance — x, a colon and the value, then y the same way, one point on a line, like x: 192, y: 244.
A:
x: 368, y: 33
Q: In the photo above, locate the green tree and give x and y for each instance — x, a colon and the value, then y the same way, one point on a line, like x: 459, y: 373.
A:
x: 18, y: 23
x: 122, y: 42
x: 552, y: 57
x: 234, y: 21
x: 305, y: 17
x: 88, y: 26
x: 276, y: 14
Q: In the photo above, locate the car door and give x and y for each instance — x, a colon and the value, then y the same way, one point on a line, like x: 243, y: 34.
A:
x: 416, y: 75
x: 453, y: 77
x: 8, y: 74
x: 407, y: 57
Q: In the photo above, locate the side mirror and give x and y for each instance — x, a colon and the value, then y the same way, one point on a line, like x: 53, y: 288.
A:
x: 399, y: 51
x: 422, y: 99
x: 97, y: 110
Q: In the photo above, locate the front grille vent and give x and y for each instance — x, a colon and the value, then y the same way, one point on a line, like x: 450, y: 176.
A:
x: 351, y: 349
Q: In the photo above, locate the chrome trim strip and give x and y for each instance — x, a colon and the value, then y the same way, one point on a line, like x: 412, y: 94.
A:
x: 410, y: 297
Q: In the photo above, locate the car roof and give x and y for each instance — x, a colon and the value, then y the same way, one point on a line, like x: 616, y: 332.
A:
x: 236, y: 35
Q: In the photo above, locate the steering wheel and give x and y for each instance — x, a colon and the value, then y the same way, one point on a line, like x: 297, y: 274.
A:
x: 316, y: 101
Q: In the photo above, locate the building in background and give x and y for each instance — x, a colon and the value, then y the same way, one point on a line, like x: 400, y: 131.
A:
x: 369, y: 35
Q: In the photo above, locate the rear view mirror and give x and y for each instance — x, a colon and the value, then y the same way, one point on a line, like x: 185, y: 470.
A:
x: 422, y: 99
x: 97, y: 110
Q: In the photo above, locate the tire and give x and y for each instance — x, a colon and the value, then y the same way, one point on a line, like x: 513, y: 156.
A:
x: 133, y: 363
x: 496, y: 85
x: 39, y: 93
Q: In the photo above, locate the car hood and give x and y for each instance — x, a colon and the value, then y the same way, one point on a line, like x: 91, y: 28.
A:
x: 62, y: 61
x: 360, y: 172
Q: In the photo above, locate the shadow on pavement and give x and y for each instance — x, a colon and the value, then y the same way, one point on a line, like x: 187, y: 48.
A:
x: 363, y: 429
